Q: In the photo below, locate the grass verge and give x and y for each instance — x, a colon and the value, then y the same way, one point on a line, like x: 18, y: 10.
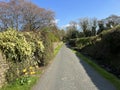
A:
x: 16, y: 86
x: 57, y: 49
x: 113, y: 79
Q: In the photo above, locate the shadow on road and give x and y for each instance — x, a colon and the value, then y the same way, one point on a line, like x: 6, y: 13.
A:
x: 99, y: 81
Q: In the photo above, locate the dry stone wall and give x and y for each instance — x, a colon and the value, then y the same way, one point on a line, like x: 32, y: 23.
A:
x: 3, y: 70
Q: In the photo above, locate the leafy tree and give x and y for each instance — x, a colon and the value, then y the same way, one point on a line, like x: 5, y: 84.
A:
x: 71, y: 30
x: 62, y: 34
x: 113, y: 20
x: 101, y: 26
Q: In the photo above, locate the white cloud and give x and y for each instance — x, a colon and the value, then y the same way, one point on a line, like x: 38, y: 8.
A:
x: 64, y: 26
x: 56, y: 21
x: 67, y: 25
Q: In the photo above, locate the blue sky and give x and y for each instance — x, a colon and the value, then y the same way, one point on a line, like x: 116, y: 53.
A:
x: 68, y: 10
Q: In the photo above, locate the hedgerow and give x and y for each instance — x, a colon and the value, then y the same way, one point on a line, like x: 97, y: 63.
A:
x: 82, y: 42
x: 22, y: 50
x: 104, y: 48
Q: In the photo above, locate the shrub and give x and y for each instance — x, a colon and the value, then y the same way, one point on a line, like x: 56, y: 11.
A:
x: 22, y: 49
x: 15, y: 46
x: 82, y: 42
x: 113, y: 39
x: 112, y: 42
x: 47, y: 41
x: 34, y: 38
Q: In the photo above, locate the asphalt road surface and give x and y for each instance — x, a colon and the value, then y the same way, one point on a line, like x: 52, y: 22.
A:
x: 67, y: 72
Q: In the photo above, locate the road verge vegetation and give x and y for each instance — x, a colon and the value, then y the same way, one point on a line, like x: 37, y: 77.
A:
x: 110, y: 77
x: 58, y: 48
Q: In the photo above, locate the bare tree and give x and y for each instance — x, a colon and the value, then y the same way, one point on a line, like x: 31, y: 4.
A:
x: 94, y: 26
x: 73, y: 25
x: 24, y: 15
x: 85, y: 26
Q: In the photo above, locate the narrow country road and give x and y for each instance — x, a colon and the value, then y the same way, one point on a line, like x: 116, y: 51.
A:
x: 67, y: 72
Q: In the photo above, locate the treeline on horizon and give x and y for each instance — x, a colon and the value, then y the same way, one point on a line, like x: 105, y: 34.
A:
x: 85, y: 27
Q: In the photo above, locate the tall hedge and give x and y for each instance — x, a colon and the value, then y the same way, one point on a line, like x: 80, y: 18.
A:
x: 22, y: 50
x: 105, y: 50
x: 48, y: 43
